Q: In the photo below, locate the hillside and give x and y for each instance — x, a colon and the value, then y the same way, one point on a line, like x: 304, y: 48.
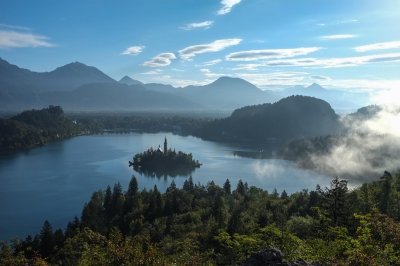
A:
x: 35, y: 128
x: 291, y: 117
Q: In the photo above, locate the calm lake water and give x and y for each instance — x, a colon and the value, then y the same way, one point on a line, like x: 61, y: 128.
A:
x: 54, y: 181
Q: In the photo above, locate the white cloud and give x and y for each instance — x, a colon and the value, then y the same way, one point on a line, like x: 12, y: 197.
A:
x: 20, y: 39
x: 264, y: 80
x: 212, y: 62
x: 133, y: 50
x: 198, y: 25
x: 254, y: 55
x: 378, y: 46
x: 337, y: 22
x: 215, y: 46
x: 339, y: 36
x: 176, y: 82
x: 227, y: 6
x: 249, y: 67
x: 324, y: 63
x: 211, y: 75
x: 152, y: 72
x: 14, y: 27
x: 161, y: 60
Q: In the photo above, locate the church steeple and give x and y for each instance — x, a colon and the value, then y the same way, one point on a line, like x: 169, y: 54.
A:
x: 165, y: 146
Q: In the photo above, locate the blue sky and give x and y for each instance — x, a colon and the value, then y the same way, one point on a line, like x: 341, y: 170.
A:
x: 344, y: 44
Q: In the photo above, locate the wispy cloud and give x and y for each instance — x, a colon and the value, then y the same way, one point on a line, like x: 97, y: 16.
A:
x: 198, y: 25
x: 264, y: 80
x: 160, y: 60
x: 378, y: 46
x: 133, y: 50
x: 212, y: 62
x: 339, y: 36
x: 227, y: 6
x: 324, y: 63
x: 211, y: 75
x: 253, y: 55
x: 14, y: 27
x: 337, y: 22
x: 189, y: 52
x: 14, y: 38
x: 174, y: 81
x: 152, y: 72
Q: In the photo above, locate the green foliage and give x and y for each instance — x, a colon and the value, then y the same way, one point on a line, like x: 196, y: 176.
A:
x: 158, y: 163
x: 206, y: 225
x: 34, y: 128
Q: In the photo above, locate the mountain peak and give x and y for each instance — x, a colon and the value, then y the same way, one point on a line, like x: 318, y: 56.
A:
x: 230, y: 81
x: 129, y: 81
x: 315, y: 86
x: 73, y: 66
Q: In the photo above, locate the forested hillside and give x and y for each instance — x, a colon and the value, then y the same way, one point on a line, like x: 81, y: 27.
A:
x: 291, y: 117
x: 35, y: 128
x: 213, y: 225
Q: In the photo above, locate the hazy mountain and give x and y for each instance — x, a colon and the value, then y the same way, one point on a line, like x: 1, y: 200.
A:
x: 339, y: 99
x: 161, y: 88
x: 71, y: 76
x: 16, y: 80
x: 13, y: 84
x: 129, y: 81
x: 116, y: 96
x: 291, y: 117
x: 78, y: 86
x: 227, y: 93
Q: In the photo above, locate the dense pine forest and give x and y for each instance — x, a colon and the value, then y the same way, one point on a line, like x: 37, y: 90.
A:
x: 213, y: 225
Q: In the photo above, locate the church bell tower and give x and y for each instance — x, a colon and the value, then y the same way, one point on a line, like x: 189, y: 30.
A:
x: 165, y: 146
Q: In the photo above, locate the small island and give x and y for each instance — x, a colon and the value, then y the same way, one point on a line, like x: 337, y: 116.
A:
x: 167, y: 162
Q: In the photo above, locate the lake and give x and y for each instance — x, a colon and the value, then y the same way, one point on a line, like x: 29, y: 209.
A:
x: 54, y: 181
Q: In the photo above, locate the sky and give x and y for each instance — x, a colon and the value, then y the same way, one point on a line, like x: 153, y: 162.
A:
x: 351, y: 45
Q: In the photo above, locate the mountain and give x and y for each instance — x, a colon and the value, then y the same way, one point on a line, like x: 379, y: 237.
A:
x: 291, y: 117
x: 161, y: 88
x: 71, y: 76
x: 129, y: 81
x: 116, y: 96
x: 227, y: 93
x: 65, y: 78
x: 339, y: 99
x: 77, y: 86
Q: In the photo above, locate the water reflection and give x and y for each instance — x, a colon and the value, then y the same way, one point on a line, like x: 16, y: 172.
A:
x: 161, y: 173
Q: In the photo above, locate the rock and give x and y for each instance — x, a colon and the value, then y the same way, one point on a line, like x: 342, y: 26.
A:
x: 269, y: 256
x: 272, y: 256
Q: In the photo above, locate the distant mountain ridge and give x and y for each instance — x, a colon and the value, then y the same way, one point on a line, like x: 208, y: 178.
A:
x: 23, y: 89
x: 64, y: 78
x: 228, y: 93
x: 340, y: 99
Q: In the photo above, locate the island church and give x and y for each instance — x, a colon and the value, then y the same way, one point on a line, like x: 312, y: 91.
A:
x: 165, y: 147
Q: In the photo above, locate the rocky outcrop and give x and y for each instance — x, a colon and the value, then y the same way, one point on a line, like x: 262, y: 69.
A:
x: 272, y: 256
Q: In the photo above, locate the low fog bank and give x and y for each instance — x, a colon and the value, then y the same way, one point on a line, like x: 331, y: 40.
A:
x: 369, y: 145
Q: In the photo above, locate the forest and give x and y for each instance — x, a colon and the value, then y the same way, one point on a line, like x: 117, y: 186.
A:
x: 35, y: 128
x: 213, y: 225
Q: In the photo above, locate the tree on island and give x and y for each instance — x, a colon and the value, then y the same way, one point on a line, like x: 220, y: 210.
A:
x: 158, y: 162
